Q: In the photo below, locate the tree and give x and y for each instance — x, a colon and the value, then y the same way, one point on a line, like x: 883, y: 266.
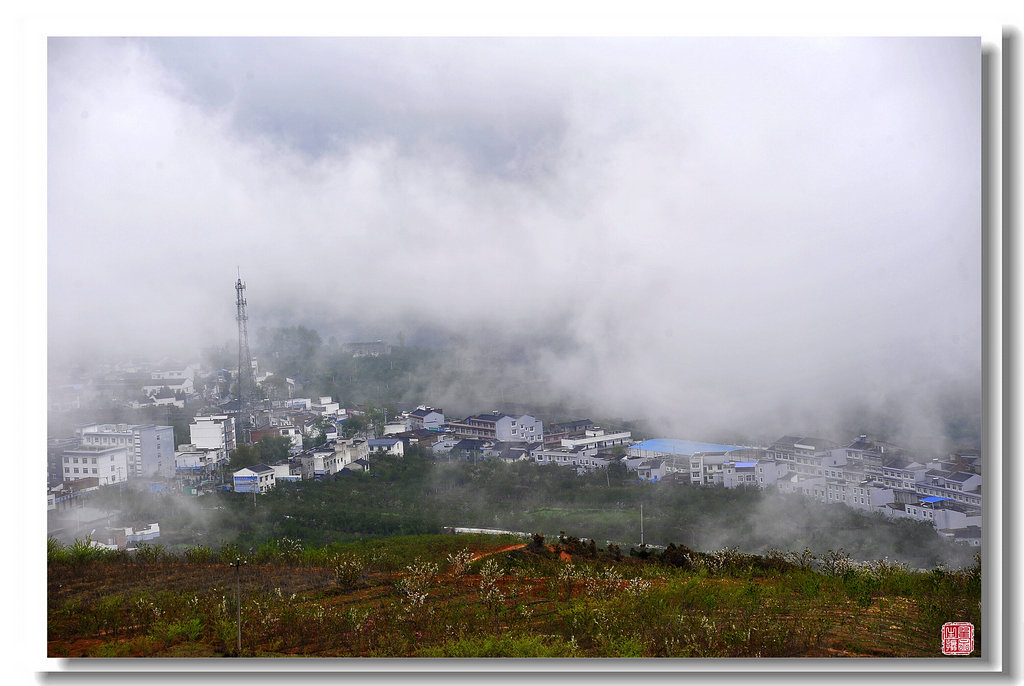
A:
x: 353, y: 425
x: 273, y: 448
x: 243, y: 456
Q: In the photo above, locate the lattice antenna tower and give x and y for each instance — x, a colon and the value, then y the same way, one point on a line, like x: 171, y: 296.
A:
x: 246, y: 380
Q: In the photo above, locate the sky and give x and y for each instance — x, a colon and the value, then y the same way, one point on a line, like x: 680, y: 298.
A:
x: 710, y: 233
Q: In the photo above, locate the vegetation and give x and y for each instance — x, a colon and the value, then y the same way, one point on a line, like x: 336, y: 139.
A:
x: 267, y: 450
x: 479, y: 596
x: 416, y: 495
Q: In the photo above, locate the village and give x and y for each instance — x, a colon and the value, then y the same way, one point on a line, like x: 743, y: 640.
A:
x: 325, y: 440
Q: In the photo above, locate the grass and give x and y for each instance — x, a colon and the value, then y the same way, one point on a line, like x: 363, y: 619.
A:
x: 487, y: 596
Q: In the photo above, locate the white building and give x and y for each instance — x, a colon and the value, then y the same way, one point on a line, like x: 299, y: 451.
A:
x: 326, y: 407
x: 736, y: 474
x: 150, y: 447
x: 213, y: 431
x: 391, y: 446
x: 597, y: 439
x: 425, y: 418
x: 110, y: 465
x: 259, y: 478
x: 500, y: 427
x: 174, y: 385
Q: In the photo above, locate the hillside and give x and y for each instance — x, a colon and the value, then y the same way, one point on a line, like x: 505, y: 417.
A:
x: 482, y: 596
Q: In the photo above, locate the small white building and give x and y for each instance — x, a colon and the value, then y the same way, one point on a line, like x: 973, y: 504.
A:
x: 425, y: 418
x: 325, y: 407
x: 392, y: 446
x: 259, y: 478
x: 736, y: 474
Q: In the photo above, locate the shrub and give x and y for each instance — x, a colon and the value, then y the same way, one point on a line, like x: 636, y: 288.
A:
x: 198, y: 554
x: 148, y: 553
x: 348, y: 569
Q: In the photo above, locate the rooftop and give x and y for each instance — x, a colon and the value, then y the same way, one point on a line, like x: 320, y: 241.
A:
x: 674, y: 446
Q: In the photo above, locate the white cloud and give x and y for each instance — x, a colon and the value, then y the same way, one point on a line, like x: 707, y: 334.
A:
x: 727, y: 230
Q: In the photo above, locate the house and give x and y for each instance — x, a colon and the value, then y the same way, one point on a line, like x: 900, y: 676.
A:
x: 500, y: 427
x: 650, y: 470
x: 736, y: 474
x: 183, y: 386
x: 582, y: 461
x: 352, y: 449
x: 257, y: 478
x: 321, y: 461
x: 422, y: 437
x: 392, y: 446
x: 286, y: 471
x: 359, y: 465
x: 425, y: 418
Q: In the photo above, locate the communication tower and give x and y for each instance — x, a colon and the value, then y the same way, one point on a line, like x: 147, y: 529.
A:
x: 246, y: 380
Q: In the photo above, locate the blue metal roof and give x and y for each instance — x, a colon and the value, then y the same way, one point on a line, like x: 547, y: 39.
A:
x: 746, y: 464
x: 674, y: 446
x: 933, y: 499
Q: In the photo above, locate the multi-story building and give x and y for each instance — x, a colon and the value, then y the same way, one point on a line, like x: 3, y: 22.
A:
x: 500, y: 427
x: 213, y: 431
x: 582, y: 461
x: 55, y: 448
x: 259, y: 478
x: 554, y: 433
x: 596, y: 438
x: 803, y: 456
x: 150, y: 447
x: 425, y: 418
x: 107, y: 464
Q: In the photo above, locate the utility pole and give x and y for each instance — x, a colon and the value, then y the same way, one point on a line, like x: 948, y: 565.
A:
x: 237, y: 564
x: 641, y: 523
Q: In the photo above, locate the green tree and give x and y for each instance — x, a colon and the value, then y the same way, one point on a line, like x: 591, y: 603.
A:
x: 243, y: 456
x: 273, y: 448
x: 354, y: 424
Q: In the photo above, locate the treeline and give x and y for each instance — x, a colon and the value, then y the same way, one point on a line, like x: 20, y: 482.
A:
x: 413, y: 495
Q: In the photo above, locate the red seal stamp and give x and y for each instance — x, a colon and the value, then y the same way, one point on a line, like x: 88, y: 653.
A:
x: 957, y: 638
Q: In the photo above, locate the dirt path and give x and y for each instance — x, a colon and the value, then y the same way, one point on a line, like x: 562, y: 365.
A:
x: 514, y: 546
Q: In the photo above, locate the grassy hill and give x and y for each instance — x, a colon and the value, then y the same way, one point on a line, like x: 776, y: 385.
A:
x: 485, y: 596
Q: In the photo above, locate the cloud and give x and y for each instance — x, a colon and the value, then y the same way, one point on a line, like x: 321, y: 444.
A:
x: 716, y: 232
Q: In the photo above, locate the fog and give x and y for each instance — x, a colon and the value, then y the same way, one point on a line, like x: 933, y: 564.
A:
x: 762, y: 236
